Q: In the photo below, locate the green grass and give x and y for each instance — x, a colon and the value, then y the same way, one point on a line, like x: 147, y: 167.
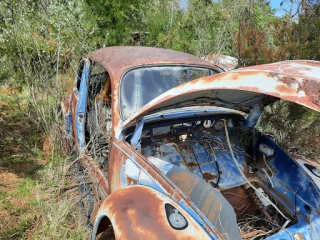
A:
x: 18, y: 231
x: 25, y: 187
x: 3, y: 195
x: 6, y: 204
x: 30, y: 199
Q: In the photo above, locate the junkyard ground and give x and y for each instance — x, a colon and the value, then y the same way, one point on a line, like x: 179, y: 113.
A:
x: 32, y: 203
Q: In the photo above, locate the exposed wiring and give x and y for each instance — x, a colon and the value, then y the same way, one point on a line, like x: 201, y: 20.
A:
x: 265, y: 172
x: 265, y: 162
x: 269, y: 178
x: 249, y: 183
x: 215, y: 142
x: 218, y: 170
x: 195, y: 157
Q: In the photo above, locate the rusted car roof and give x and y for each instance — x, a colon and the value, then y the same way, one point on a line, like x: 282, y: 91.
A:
x: 118, y: 59
x: 226, y: 62
x: 295, y: 81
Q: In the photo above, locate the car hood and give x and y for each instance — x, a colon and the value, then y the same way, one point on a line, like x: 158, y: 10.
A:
x: 295, y: 81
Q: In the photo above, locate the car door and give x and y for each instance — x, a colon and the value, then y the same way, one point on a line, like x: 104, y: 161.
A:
x: 80, y: 92
x: 98, y: 122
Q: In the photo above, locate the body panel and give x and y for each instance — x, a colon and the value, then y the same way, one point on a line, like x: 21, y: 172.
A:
x: 137, y: 212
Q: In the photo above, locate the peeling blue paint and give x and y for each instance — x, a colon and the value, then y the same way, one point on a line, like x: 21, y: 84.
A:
x: 302, y: 196
x: 81, y: 106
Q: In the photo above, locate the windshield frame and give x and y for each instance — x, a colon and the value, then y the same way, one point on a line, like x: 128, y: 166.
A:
x: 214, y: 68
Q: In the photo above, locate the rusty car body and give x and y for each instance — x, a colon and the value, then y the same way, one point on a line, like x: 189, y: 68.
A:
x: 169, y: 143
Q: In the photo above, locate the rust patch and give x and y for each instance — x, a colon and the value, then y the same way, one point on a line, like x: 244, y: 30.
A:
x: 192, y: 164
x: 65, y: 104
x: 96, y: 175
x: 288, y: 80
x: 241, y: 201
x: 208, y: 176
x: 138, y: 213
x: 312, y: 89
x: 285, y: 89
x: 301, y: 237
x: 116, y: 161
x: 117, y: 60
x: 94, y: 213
x: 131, y: 181
x: 252, y: 234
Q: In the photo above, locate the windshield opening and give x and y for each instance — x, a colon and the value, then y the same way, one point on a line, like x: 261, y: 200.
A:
x: 141, y: 85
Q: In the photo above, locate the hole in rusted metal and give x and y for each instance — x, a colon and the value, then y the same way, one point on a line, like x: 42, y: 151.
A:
x: 307, y: 207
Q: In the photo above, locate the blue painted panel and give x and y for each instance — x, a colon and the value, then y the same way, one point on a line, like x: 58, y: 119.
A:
x: 81, y: 106
x: 189, y: 154
x: 136, y: 137
x: 68, y: 126
x: 290, y: 175
x: 296, y: 190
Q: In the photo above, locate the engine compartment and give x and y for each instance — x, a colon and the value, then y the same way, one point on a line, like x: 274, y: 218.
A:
x: 202, y: 148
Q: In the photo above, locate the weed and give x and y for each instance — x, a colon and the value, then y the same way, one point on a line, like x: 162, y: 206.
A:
x: 25, y: 187
x: 18, y: 231
x: 4, y: 201
x: 3, y: 195
x: 30, y: 206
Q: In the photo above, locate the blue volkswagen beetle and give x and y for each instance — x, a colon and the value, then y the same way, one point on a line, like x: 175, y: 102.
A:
x: 169, y: 143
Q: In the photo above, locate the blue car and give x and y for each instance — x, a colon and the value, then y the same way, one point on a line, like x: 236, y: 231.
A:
x: 169, y: 144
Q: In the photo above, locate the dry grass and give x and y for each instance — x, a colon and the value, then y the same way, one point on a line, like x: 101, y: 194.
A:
x: 31, y: 177
x: 58, y: 215
x: 36, y: 209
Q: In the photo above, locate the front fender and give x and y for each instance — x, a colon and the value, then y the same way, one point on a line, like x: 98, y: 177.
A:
x: 311, y: 168
x: 138, y: 212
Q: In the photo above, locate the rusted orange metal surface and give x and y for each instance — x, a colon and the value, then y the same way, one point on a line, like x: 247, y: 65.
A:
x: 74, y: 99
x: 138, y: 213
x: 65, y: 104
x: 241, y: 201
x: 117, y: 60
x: 226, y: 62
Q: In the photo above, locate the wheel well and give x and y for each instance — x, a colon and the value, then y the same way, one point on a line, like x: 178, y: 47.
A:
x: 104, y: 224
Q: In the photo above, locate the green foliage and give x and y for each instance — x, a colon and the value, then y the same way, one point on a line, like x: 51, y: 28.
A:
x: 301, y: 37
x: 164, y: 26
x: 18, y: 231
x: 294, y: 127
x: 115, y: 20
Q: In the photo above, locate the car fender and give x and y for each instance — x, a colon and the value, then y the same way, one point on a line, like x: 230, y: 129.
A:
x: 138, y: 212
x: 311, y: 168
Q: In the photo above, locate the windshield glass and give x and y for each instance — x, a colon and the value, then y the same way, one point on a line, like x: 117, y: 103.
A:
x: 141, y: 85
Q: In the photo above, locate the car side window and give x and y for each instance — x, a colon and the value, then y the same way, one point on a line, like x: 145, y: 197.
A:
x: 79, y: 74
x: 99, y: 121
